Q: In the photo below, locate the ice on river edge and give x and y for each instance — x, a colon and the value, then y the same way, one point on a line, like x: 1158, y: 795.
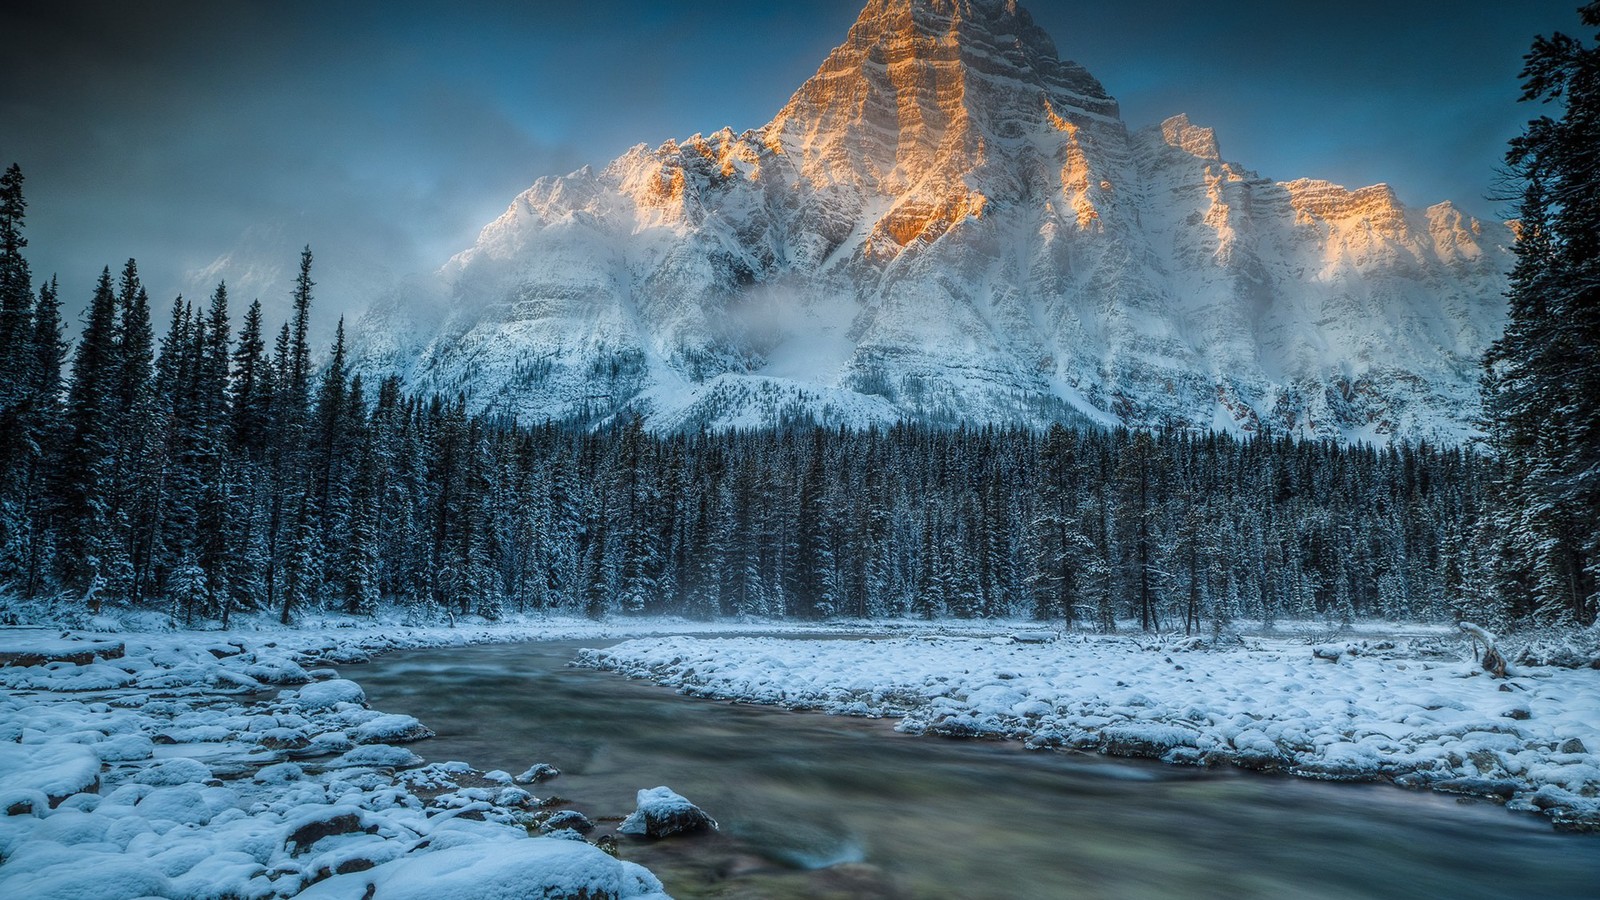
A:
x: 1376, y: 713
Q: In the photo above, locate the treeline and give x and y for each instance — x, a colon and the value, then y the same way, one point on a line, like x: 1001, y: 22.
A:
x: 1171, y: 531
x: 208, y: 474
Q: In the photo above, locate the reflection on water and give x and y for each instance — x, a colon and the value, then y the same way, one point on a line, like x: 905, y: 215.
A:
x: 818, y: 806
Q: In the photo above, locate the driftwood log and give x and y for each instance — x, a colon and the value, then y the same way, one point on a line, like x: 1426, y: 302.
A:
x: 24, y: 647
x: 1494, y: 662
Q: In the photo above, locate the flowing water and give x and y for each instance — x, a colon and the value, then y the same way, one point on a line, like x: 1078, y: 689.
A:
x: 816, y: 806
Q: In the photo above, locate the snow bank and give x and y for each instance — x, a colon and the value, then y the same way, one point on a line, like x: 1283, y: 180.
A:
x: 505, y: 870
x: 173, y: 770
x: 1378, y: 713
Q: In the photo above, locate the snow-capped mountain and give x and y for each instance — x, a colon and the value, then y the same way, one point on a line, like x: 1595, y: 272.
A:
x: 950, y: 223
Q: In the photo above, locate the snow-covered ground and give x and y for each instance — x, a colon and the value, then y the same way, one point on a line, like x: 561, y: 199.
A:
x: 150, y: 761
x: 1418, y: 714
x: 235, y: 765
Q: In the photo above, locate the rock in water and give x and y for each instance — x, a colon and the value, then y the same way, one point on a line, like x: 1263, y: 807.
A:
x: 662, y: 813
x: 567, y: 819
x: 538, y: 773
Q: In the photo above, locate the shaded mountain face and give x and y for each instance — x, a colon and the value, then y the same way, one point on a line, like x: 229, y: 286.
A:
x: 950, y: 223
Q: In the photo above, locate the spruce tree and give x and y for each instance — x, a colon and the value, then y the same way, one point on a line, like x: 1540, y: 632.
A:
x: 298, y: 364
x: 357, y: 569
x: 16, y: 294
x: 31, y: 483
x: 135, y: 479
x: 1542, y: 379
x: 83, y: 501
x: 18, y: 398
x: 218, y: 500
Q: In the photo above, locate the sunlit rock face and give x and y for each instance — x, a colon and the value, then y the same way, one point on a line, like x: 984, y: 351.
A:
x: 949, y: 223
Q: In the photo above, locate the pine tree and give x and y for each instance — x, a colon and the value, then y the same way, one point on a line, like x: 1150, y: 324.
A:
x: 247, y: 438
x: 813, y: 583
x: 298, y: 365
x: 1141, y: 479
x: 18, y: 396
x: 16, y: 315
x: 32, y: 482
x: 358, y: 568
x: 89, y: 457
x: 329, y: 462
x: 1542, y: 379
x: 292, y: 575
x: 597, y: 570
x: 179, y: 484
x: 637, y: 534
x: 136, y: 476
x: 218, y: 499
x: 250, y: 394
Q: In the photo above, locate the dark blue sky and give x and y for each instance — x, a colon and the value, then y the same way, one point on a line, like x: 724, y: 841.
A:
x: 214, y: 139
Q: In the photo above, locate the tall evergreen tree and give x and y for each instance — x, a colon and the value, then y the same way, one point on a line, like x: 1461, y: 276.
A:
x: 298, y: 364
x: 134, y: 480
x: 19, y: 397
x: 16, y: 297
x: 212, y: 420
x: 89, y: 457
x: 16, y: 301
x: 28, y: 478
x: 1542, y: 380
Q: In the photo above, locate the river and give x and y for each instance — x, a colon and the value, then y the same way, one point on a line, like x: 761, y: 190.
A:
x: 816, y: 806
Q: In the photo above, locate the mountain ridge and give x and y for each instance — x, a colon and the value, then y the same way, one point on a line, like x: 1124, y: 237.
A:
x: 949, y: 223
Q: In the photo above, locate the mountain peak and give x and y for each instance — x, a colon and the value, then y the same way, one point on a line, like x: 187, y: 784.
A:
x: 956, y: 18
x: 924, y: 88
x: 1201, y: 143
x: 948, y: 223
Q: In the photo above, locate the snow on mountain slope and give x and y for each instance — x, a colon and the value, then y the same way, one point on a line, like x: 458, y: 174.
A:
x: 949, y: 223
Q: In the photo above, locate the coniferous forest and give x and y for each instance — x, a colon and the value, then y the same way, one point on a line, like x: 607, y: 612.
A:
x: 210, y: 471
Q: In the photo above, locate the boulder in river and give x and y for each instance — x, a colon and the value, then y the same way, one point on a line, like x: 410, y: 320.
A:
x: 538, y: 773
x: 567, y: 819
x: 662, y: 813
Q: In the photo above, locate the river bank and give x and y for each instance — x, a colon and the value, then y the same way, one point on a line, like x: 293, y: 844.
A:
x: 200, y: 764
x: 1404, y: 712
x: 205, y: 765
x: 820, y: 806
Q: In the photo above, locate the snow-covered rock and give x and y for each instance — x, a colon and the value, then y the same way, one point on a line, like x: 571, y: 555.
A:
x: 56, y: 771
x: 392, y: 729
x: 326, y: 694
x: 950, y: 222
x: 662, y: 812
x: 538, y: 773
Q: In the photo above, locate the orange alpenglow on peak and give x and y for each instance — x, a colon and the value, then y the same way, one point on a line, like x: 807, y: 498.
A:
x: 920, y: 86
x: 1200, y: 143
